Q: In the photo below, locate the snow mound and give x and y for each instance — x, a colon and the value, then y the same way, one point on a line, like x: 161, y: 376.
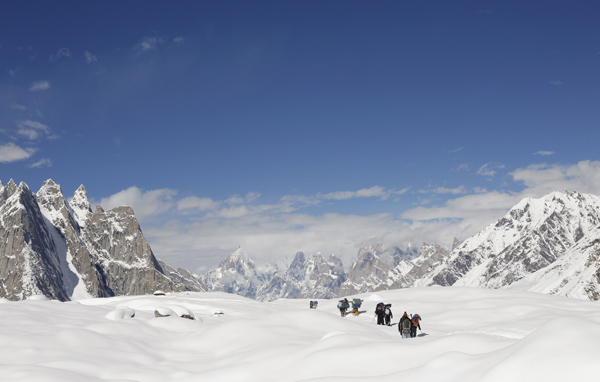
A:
x: 38, y: 297
x: 121, y: 314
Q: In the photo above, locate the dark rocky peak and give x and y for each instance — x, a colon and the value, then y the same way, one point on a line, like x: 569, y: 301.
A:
x: 50, y: 196
x: 8, y: 191
x: 296, y: 269
x: 80, y: 198
x: 365, y: 255
x: 333, y: 265
x: 336, y: 264
x: 23, y: 187
x: 12, y: 190
x: 80, y: 205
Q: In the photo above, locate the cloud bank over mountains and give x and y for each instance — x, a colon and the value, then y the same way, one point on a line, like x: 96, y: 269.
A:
x: 199, y: 230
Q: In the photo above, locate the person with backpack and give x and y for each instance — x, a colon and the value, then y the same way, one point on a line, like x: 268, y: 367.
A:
x: 380, y: 312
x: 415, y: 324
x: 404, y: 326
x: 356, y: 303
x: 388, y: 315
x: 342, y: 306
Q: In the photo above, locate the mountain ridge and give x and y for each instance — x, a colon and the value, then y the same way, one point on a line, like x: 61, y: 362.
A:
x: 62, y: 249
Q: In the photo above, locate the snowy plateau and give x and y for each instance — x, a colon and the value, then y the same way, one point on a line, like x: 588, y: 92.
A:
x: 467, y: 335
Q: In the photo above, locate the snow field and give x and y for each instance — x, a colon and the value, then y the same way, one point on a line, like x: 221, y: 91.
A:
x: 467, y: 334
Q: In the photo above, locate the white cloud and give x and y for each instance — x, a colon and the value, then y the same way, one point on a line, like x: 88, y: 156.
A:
x: 233, y: 212
x: 373, y: 192
x: 489, y: 169
x: 271, y: 237
x: 248, y: 198
x: 461, y: 167
x: 196, y: 203
x: 89, y: 57
x: 178, y: 40
x: 444, y: 190
x: 556, y: 82
x: 544, y: 153
x: 541, y: 179
x: 202, y: 231
x: 32, y: 129
x: 147, y: 205
x: 62, y: 52
x: 39, y: 85
x: 148, y: 44
x: 41, y: 163
x: 10, y: 152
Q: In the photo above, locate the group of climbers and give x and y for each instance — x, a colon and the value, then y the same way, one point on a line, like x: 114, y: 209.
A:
x: 407, y: 326
x: 384, y: 314
x: 344, y: 304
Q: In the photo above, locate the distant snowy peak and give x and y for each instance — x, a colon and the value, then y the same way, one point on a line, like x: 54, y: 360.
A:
x: 237, y: 274
x: 80, y: 205
x: 236, y: 261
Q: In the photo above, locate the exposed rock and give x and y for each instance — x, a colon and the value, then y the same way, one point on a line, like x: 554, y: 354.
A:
x: 62, y: 250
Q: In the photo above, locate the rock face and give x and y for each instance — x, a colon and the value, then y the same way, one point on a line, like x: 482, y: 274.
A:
x: 29, y: 257
x: 62, y: 250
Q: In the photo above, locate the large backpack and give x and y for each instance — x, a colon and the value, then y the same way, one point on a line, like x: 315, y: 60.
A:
x: 406, y: 323
x: 416, y: 319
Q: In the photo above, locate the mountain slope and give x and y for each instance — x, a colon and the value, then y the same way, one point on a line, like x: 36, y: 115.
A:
x: 531, y: 236
x: 576, y: 274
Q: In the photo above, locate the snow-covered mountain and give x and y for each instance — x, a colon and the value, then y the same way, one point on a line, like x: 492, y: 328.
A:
x: 63, y: 250
x: 238, y: 274
x: 575, y: 274
x: 306, y: 278
x: 60, y: 248
x: 531, y: 236
x: 550, y: 245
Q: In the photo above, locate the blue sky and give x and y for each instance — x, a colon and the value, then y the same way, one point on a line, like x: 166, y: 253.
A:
x: 301, y: 126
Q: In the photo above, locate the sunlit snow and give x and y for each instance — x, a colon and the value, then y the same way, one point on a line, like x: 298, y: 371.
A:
x: 467, y: 334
